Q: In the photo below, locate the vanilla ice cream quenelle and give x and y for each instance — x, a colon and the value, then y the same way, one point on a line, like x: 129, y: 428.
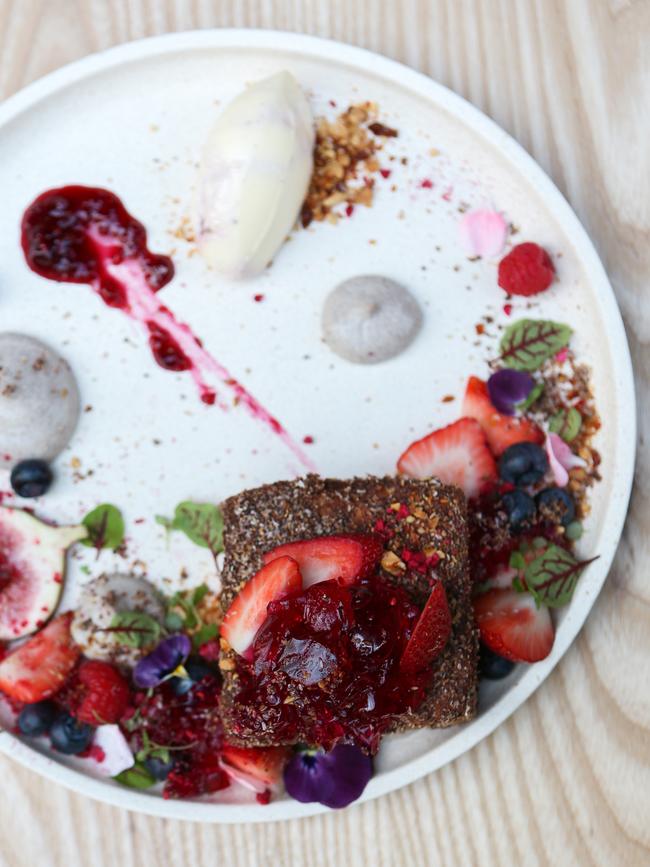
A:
x: 255, y: 171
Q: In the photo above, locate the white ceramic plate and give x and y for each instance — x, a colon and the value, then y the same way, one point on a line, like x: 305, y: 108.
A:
x: 133, y: 119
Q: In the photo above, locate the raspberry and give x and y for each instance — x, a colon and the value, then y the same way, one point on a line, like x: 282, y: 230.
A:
x: 103, y: 694
x: 526, y: 270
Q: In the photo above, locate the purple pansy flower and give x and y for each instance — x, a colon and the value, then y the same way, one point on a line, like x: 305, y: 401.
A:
x: 509, y: 387
x: 334, y: 779
x: 160, y: 663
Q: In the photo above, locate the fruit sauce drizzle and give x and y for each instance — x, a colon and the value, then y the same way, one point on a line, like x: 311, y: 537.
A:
x: 82, y: 234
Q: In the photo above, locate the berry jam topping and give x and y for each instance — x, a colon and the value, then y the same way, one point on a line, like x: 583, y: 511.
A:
x: 85, y: 235
x: 189, y: 726
x: 66, y: 232
x: 325, y: 666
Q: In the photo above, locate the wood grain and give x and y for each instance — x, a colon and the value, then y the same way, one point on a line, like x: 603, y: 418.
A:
x: 567, y: 779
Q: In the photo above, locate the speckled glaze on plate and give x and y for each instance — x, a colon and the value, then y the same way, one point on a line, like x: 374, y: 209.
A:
x: 134, y: 119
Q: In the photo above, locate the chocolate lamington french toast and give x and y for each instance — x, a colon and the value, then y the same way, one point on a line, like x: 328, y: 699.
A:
x: 419, y: 521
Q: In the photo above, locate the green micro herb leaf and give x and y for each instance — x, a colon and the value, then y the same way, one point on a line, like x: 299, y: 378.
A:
x: 535, y: 394
x: 202, y: 523
x: 517, y: 560
x: 105, y: 526
x: 135, y: 628
x: 137, y: 777
x: 173, y: 621
x: 552, y: 577
x: 566, y: 423
x: 528, y: 343
x: 199, y: 594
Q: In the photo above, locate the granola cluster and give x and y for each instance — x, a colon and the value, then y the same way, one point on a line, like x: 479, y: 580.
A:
x: 345, y: 158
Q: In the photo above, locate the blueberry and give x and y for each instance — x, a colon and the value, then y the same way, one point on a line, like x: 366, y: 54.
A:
x: 523, y: 464
x: 556, y: 506
x: 69, y: 736
x: 36, y: 719
x: 197, y: 669
x: 520, y: 507
x: 492, y: 666
x: 31, y: 478
x: 159, y: 768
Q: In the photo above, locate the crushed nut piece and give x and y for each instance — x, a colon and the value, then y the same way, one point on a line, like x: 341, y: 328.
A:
x: 392, y: 564
x: 345, y: 155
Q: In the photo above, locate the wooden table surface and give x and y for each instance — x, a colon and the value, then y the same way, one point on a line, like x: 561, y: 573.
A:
x: 567, y: 779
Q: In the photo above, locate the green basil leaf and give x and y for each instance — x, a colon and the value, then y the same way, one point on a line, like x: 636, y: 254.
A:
x: 105, y: 526
x: 135, y: 628
x: 528, y: 343
x: 202, y: 523
x: 552, y: 577
x: 137, y: 777
x: 566, y: 423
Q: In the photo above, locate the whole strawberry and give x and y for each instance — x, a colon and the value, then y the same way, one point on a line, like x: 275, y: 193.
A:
x: 102, y: 694
x: 526, y: 270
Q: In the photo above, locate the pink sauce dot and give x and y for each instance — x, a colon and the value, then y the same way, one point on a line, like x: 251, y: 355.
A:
x: 507, y: 309
x: 259, y: 297
x: 385, y: 173
x: 308, y: 440
x: 426, y: 184
x: 349, y: 210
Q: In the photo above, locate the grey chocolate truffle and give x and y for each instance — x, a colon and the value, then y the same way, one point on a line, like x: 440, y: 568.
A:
x: 369, y: 319
x: 39, y: 400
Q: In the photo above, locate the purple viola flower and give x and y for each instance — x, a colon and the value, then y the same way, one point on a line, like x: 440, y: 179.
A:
x: 161, y: 662
x: 334, y: 779
x: 509, y: 387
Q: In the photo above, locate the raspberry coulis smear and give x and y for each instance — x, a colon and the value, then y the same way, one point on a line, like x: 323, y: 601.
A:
x: 79, y: 234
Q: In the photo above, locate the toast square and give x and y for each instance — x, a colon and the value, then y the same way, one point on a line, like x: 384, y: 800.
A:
x: 258, y: 520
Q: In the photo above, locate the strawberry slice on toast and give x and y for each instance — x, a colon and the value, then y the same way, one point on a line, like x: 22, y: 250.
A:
x: 346, y: 558
x: 38, y: 668
x: 457, y: 454
x: 248, y: 611
x: 500, y: 430
x: 513, y: 626
x: 431, y: 632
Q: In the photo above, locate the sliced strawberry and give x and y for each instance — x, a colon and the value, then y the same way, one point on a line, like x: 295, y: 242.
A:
x: 431, y: 632
x: 501, y: 430
x: 248, y: 610
x: 512, y: 626
x: 329, y: 557
x: 457, y: 454
x: 263, y: 765
x: 38, y: 668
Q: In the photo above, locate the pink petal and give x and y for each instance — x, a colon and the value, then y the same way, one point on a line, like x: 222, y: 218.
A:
x: 117, y: 753
x: 561, y: 459
x: 561, y: 355
x: 483, y: 233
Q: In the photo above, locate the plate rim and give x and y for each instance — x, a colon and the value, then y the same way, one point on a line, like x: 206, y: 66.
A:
x: 471, y: 117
